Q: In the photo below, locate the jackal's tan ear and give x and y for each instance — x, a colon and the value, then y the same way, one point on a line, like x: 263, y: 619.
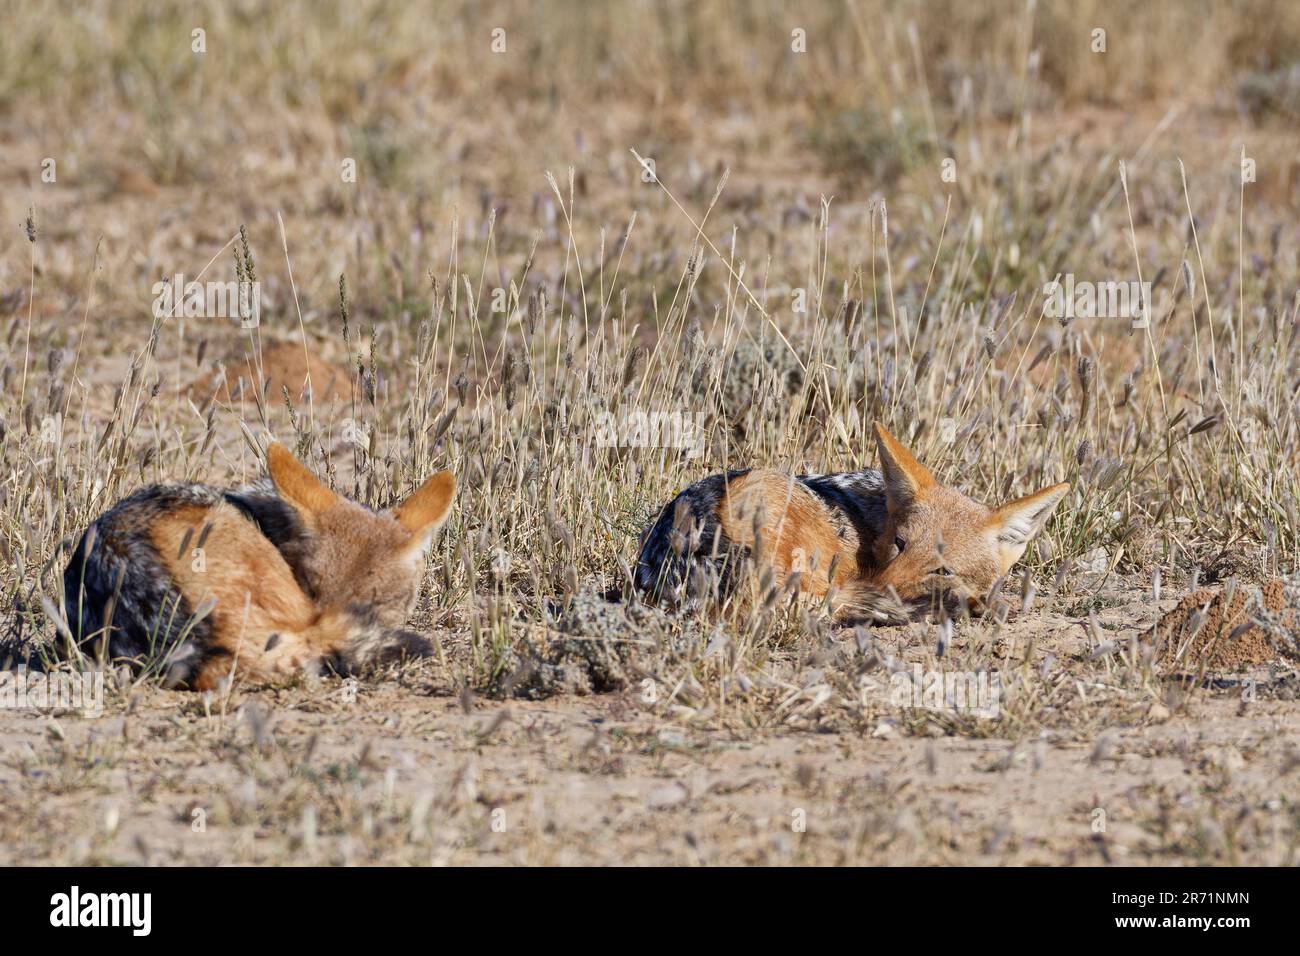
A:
x: 1015, y: 524
x: 426, y: 508
x: 296, y: 484
x: 905, y: 477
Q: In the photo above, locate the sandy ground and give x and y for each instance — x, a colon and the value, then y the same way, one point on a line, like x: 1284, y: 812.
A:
x: 401, y: 770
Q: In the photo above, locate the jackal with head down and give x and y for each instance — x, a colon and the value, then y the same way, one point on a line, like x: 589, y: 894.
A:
x: 862, y: 537
x: 262, y: 582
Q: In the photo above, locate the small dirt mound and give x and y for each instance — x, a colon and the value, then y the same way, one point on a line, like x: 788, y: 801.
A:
x: 1238, y: 626
x: 596, y: 647
x: 286, y: 364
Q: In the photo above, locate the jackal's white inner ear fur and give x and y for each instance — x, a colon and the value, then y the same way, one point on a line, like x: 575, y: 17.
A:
x: 905, y: 477
x: 426, y: 508
x: 1015, y: 523
x: 296, y: 484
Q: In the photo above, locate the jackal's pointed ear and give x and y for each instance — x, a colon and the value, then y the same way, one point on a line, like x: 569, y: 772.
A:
x: 426, y: 508
x: 905, y: 477
x: 296, y: 484
x: 1015, y: 524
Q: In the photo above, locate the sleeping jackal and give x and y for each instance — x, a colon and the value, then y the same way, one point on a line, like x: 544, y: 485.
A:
x: 858, y: 535
x: 278, y: 577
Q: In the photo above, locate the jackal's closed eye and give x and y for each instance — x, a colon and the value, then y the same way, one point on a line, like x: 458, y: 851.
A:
x: 900, y: 544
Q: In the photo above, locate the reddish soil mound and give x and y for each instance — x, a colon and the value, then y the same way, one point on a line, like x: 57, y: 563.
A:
x: 1257, y: 625
x: 286, y: 365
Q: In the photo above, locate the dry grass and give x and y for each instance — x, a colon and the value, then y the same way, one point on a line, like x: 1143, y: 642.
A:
x: 500, y: 275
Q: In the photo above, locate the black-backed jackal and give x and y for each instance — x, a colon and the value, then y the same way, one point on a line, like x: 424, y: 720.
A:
x: 857, y: 535
x: 262, y: 582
